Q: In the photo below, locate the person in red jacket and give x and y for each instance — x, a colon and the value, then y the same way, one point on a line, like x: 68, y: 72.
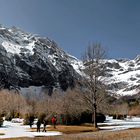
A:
x: 54, y: 120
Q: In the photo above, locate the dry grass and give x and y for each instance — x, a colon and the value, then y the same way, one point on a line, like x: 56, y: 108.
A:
x: 51, y: 138
x: 132, y: 134
x: 70, y: 129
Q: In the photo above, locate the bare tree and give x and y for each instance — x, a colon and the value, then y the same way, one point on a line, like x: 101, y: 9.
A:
x: 11, y: 102
x: 72, y: 105
x: 92, y: 83
x: 67, y: 103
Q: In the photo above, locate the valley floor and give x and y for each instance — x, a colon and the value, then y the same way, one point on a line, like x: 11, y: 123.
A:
x: 131, y: 134
x: 110, y: 130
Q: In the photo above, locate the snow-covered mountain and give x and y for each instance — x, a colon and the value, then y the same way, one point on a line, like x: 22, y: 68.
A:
x: 123, y: 76
x: 31, y: 60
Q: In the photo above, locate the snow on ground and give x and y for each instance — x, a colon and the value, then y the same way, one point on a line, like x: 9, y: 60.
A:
x: 12, y: 130
x: 115, y: 124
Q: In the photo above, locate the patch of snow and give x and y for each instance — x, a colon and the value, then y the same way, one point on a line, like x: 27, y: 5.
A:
x: 124, y: 93
x: 78, y: 66
x: 116, y: 124
x: 16, y: 49
x: 17, y: 120
x: 13, y: 130
x: 109, y: 60
x: 2, y: 28
x: 50, y: 133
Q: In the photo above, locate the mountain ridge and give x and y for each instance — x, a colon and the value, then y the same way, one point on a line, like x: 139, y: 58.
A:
x: 35, y: 61
x: 30, y: 60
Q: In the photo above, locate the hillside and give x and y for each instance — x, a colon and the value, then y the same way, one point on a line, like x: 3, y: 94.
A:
x: 30, y: 60
x: 123, y: 76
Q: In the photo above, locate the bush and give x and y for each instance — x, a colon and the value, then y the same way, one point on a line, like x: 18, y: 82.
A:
x: 87, y: 117
x: 29, y: 119
x: 12, y: 115
x: 8, y: 117
x: 119, y: 116
x: 16, y: 115
x: 100, y: 117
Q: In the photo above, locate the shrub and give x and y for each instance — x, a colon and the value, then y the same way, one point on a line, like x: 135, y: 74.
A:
x: 100, y: 117
x: 8, y: 117
x: 17, y: 115
x: 29, y: 119
x: 119, y: 116
x: 86, y: 117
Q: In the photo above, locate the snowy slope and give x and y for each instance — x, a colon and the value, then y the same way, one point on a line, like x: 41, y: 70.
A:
x: 30, y: 60
x: 123, y: 76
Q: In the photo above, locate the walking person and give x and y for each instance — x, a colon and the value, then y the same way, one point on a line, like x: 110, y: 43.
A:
x: 31, y: 121
x: 54, y: 120
x: 45, y: 122
x: 38, y: 125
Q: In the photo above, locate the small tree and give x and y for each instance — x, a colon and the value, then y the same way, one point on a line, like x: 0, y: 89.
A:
x: 72, y: 105
x: 92, y: 83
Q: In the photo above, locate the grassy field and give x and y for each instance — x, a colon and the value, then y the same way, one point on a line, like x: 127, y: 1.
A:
x: 132, y: 134
x: 70, y: 129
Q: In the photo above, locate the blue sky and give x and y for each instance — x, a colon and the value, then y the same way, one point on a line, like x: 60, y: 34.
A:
x: 73, y: 24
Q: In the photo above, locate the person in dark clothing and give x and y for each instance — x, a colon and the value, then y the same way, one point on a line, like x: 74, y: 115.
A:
x: 45, y: 122
x: 38, y: 125
x: 54, y: 120
x: 31, y: 120
x: 30, y: 124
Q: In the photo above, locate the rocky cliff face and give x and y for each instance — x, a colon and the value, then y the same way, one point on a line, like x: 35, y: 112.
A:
x: 30, y: 60
x: 123, y: 76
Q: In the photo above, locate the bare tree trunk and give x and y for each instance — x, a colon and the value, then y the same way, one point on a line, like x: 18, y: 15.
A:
x: 95, y: 116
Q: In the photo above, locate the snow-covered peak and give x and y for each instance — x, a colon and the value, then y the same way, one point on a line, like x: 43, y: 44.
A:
x: 16, y: 41
x: 36, y: 60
